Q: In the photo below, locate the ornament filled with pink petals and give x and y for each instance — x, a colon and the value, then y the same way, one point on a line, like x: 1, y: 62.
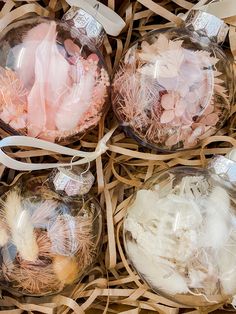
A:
x: 170, y: 91
x: 52, y: 87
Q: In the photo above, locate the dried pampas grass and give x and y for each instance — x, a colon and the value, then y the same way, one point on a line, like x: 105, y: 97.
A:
x: 21, y: 227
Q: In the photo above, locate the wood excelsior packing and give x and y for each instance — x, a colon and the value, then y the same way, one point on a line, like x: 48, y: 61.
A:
x: 112, y: 286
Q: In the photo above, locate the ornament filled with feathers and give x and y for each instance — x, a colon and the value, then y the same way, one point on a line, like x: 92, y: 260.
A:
x: 53, y: 85
x: 180, y: 233
x: 47, y: 240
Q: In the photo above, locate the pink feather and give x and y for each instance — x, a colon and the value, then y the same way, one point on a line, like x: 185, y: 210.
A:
x: 51, y: 79
x: 77, y: 101
x: 25, y: 53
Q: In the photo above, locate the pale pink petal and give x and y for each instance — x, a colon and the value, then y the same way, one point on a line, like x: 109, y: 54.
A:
x: 212, y: 119
x: 183, y: 89
x: 71, y: 48
x: 194, y: 109
x: 168, y: 101
x: 180, y: 107
x: 209, y: 109
x: 93, y: 57
x: 167, y: 116
x: 192, y: 98
x: 168, y: 83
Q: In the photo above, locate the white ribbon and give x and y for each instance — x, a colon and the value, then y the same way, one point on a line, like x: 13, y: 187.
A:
x: 27, y: 141
x: 222, y: 9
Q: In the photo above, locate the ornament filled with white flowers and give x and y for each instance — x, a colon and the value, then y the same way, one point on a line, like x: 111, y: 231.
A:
x: 180, y: 232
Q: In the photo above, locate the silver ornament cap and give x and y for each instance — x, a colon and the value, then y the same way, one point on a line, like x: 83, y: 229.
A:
x: 72, y: 181
x: 86, y: 27
x: 208, y: 25
x: 225, y: 167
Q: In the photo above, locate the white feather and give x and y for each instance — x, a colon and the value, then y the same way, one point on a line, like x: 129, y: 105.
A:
x: 227, y: 266
x: 22, y: 231
x: 217, y: 223
x: 158, y: 274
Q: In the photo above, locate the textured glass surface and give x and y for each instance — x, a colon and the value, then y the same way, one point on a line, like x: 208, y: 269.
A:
x: 47, y: 241
x: 180, y: 236
x: 172, y: 89
x: 51, y: 86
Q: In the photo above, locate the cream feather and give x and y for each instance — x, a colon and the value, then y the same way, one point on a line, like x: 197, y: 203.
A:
x: 157, y: 273
x: 21, y: 228
x: 227, y: 266
x: 217, y: 223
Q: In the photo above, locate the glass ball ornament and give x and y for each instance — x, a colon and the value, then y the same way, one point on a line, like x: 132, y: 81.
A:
x: 180, y: 233
x: 48, y: 241
x: 173, y: 87
x: 53, y: 85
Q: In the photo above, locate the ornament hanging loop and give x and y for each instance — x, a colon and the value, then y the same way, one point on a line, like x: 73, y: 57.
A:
x: 25, y: 141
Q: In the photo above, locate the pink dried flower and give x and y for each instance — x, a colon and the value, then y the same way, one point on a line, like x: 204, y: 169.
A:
x: 162, y: 90
x: 174, y: 107
x: 13, y: 99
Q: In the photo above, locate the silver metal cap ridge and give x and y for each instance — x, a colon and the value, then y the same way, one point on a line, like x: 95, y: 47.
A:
x: 86, y: 27
x: 224, y: 168
x: 207, y: 25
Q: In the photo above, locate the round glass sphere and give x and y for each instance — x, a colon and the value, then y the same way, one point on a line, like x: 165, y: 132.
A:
x: 47, y: 241
x: 51, y: 86
x: 172, y: 89
x: 180, y: 236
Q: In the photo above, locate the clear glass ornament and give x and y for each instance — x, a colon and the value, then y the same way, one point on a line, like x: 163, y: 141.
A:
x: 173, y: 87
x: 48, y: 241
x: 53, y: 84
x: 180, y: 233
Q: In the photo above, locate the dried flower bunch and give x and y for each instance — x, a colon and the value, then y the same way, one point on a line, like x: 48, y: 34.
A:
x: 169, y: 92
x: 51, y: 87
x: 180, y: 236
x: 47, y: 241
